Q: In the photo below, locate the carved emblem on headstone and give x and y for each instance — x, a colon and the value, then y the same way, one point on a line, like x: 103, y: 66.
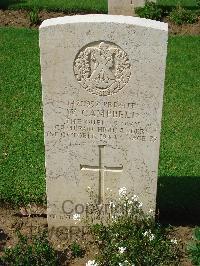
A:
x: 102, y: 68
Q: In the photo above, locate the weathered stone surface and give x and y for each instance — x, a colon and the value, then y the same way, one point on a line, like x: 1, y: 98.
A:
x: 120, y: 7
x: 103, y: 81
x: 124, y: 7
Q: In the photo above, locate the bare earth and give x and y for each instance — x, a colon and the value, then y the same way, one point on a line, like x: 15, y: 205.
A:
x: 13, y: 219
x: 20, y: 18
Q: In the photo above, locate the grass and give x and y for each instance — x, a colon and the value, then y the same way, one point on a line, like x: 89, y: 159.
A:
x: 179, y: 168
x: 96, y: 6
x: 180, y: 147
x: 21, y: 133
x: 73, y: 6
x: 22, y: 177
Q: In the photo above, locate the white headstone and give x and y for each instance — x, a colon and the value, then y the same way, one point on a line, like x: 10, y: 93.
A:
x: 121, y: 7
x: 125, y: 7
x: 102, y: 82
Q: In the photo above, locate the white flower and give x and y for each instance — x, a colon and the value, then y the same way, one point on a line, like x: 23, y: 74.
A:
x: 151, y: 211
x: 130, y: 202
x: 149, y: 235
x: 145, y: 233
x: 113, y: 217
x: 76, y: 217
x: 121, y: 250
x: 122, y: 191
x: 174, y: 241
x: 140, y: 205
x: 135, y: 198
x: 126, y: 263
x: 112, y: 204
x: 91, y: 263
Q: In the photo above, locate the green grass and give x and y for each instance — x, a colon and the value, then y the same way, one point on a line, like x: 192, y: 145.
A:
x: 180, y: 146
x: 21, y: 132
x: 87, y: 6
x: 179, y: 168
x: 22, y: 177
x: 96, y: 6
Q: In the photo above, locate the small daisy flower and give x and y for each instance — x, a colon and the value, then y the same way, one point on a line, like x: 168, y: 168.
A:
x: 112, y: 204
x: 145, y: 233
x: 113, y: 217
x: 174, y: 241
x: 121, y: 250
x: 130, y: 202
x: 151, y: 211
x: 122, y: 191
x: 140, y: 205
x: 91, y: 263
x: 151, y: 237
x: 135, y: 198
x: 76, y: 217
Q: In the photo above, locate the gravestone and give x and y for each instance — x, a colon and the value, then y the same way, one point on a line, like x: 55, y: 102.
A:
x: 124, y: 7
x: 121, y: 7
x: 102, y: 85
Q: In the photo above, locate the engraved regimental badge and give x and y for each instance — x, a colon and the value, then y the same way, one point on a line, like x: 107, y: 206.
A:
x: 102, y: 68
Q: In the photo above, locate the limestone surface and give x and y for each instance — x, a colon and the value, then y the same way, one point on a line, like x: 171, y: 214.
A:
x: 125, y: 7
x: 102, y: 88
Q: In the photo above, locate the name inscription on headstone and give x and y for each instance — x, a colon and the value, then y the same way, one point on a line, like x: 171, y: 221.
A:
x: 92, y: 122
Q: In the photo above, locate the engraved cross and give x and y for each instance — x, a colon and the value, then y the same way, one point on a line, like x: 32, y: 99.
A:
x: 101, y: 169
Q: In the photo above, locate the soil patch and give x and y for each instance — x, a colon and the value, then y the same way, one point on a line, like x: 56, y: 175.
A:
x: 31, y: 221
x: 185, y: 29
x: 20, y: 18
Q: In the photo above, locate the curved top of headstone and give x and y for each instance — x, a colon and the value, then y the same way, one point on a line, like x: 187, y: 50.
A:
x: 95, y: 18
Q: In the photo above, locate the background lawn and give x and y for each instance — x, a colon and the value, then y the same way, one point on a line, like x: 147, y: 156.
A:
x: 78, y: 6
x: 179, y: 167
x: 180, y: 138
x: 21, y: 131
x: 22, y: 178
x: 88, y: 6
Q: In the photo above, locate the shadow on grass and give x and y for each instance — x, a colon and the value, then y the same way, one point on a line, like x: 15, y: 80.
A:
x: 4, y: 4
x: 178, y: 200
